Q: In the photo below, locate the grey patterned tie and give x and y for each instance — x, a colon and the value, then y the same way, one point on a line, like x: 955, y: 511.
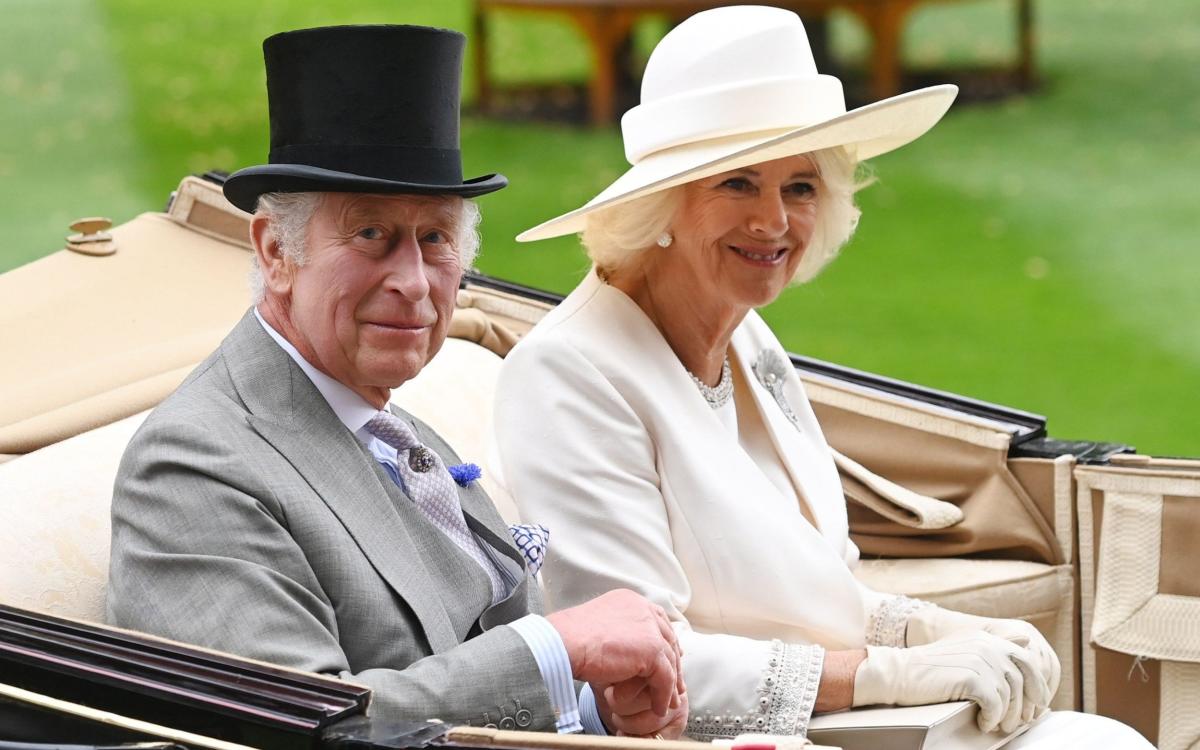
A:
x: 430, y: 486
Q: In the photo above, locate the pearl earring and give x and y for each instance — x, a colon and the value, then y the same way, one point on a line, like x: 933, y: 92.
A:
x: 665, y: 239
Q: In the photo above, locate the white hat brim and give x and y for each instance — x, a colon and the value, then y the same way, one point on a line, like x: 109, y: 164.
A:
x: 870, y: 130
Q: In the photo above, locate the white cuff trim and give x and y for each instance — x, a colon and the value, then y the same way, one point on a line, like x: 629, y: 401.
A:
x: 786, y: 696
x: 887, y: 625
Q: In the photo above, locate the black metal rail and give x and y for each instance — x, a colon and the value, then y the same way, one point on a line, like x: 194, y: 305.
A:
x: 167, y: 683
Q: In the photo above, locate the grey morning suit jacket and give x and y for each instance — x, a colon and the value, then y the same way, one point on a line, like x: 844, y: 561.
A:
x: 247, y: 518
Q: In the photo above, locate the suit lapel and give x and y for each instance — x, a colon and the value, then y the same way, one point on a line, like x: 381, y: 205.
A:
x: 290, y: 413
x: 481, y: 514
x: 513, y: 607
x: 485, y: 522
x: 800, y: 447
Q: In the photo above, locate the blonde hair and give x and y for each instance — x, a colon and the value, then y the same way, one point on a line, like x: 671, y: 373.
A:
x: 618, y: 236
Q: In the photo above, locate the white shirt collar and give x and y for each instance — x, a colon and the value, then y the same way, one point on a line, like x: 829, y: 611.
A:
x: 351, y: 408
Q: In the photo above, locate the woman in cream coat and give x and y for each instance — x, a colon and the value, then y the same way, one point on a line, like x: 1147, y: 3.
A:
x: 654, y: 423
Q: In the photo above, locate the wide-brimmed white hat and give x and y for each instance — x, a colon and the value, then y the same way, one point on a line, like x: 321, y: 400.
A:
x: 736, y: 86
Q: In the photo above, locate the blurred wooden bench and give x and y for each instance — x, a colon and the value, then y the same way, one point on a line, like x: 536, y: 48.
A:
x: 606, y: 24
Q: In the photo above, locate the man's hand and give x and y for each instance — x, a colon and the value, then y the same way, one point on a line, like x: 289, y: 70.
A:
x: 933, y: 623
x: 625, y: 710
x: 620, y: 637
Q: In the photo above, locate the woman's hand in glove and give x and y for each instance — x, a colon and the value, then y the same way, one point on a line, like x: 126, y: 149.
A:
x: 974, y: 666
x: 933, y: 623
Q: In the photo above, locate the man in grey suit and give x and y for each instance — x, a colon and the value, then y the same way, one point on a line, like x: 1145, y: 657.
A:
x: 275, y: 506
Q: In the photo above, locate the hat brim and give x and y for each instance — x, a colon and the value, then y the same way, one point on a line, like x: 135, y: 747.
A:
x: 870, y: 130
x: 242, y: 188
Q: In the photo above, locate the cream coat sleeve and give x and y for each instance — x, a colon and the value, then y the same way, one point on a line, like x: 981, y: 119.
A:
x: 887, y: 614
x: 577, y: 459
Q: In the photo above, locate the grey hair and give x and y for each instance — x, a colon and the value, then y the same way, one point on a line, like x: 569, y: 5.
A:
x: 290, y: 213
x: 616, y: 237
x: 468, y: 233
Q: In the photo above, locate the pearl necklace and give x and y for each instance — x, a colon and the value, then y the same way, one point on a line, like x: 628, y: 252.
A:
x: 716, y: 395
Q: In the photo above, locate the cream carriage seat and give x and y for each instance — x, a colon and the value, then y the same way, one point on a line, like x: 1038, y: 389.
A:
x: 54, y: 522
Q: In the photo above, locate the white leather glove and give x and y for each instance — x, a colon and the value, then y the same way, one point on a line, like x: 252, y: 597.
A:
x: 933, y: 623
x: 972, y: 666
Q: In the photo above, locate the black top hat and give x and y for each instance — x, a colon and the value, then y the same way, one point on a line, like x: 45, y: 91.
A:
x: 362, y: 109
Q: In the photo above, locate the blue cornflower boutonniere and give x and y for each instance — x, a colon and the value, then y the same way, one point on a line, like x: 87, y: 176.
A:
x: 531, y: 539
x: 464, y: 474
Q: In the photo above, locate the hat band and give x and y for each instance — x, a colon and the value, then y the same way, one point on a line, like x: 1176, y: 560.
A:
x: 416, y: 164
x: 730, y: 110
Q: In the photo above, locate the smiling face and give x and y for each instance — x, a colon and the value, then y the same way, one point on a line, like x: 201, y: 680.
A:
x: 372, y: 302
x: 740, y: 235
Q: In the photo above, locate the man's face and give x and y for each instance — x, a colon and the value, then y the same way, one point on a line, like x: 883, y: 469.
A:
x: 372, y: 303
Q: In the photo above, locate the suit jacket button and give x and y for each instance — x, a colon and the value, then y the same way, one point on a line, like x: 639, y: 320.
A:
x: 524, y: 718
x: 507, y: 723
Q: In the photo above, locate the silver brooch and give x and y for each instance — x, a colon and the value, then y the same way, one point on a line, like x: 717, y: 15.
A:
x: 420, y: 459
x: 772, y: 369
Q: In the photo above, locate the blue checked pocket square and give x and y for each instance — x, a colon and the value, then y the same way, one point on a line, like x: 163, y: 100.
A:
x: 531, y: 539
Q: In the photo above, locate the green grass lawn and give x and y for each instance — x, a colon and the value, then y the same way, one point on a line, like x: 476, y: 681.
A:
x: 1040, y: 252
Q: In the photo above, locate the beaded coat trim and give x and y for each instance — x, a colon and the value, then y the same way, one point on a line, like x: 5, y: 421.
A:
x: 887, y: 625
x: 785, y: 697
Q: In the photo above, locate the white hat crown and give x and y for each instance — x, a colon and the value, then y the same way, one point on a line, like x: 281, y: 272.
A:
x: 736, y: 86
x: 729, y: 71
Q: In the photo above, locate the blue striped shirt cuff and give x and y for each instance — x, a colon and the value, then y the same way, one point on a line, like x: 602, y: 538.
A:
x: 551, y: 656
x: 589, y: 716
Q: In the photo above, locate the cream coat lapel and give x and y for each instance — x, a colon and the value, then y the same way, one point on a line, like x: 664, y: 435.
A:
x: 731, y: 467
x: 801, y: 446
x: 289, y: 412
x: 743, y: 516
